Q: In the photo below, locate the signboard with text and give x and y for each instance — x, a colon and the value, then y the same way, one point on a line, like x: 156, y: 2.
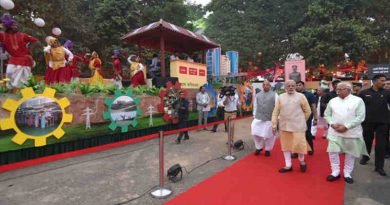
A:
x: 374, y: 69
x: 190, y: 75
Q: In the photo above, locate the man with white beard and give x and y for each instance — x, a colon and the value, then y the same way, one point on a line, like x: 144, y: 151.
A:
x: 345, y: 114
x: 262, y: 125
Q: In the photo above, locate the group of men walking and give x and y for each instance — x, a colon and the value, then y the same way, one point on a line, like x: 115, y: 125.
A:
x: 350, y: 123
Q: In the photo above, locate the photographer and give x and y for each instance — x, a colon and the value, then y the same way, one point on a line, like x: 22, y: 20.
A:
x: 232, y: 105
x: 220, y: 109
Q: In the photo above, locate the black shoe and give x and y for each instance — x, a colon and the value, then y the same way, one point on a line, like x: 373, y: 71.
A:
x: 387, y: 156
x: 311, y: 152
x: 187, y: 138
x: 303, y: 167
x: 284, y: 170
x: 257, y: 152
x: 267, y: 153
x: 332, y: 178
x: 213, y: 130
x: 381, y: 172
x: 364, y: 160
x: 177, y: 141
x: 294, y: 155
x: 349, y: 180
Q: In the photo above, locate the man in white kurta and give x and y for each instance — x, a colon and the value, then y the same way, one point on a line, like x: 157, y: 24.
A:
x: 262, y: 125
x: 345, y: 114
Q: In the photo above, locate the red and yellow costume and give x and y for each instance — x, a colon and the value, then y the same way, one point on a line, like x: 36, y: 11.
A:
x: 137, y: 75
x: 117, y: 66
x: 95, y: 64
x: 21, y: 61
x: 57, y: 56
x: 15, y: 45
x: 73, y: 65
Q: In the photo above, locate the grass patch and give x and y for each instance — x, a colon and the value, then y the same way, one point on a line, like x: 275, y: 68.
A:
x: 77, y: 132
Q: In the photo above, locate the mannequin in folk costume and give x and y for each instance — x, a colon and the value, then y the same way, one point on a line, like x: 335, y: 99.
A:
x: 16, y: 44
x: 117, y: 68
x: 136, y: 70
x: 57, y: 69
x: 95, y: 64
x: 73, y: 64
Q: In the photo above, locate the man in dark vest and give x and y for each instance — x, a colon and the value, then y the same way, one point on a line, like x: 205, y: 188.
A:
x: 262, y: 125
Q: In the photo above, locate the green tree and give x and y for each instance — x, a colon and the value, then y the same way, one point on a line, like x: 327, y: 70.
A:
x: 378, y: 18
x: 255, y: 26
x: 333, y: 28
x: 174, y: 11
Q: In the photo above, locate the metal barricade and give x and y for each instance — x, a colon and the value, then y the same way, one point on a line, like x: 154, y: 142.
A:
x: 161, y: 192
x: 229, y: 156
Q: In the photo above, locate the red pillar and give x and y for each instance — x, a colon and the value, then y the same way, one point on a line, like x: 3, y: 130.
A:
x: 162, y: 56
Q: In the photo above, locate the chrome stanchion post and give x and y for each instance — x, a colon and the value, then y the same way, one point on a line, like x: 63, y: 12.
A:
x: 229, y: 156
x: 161, y: 192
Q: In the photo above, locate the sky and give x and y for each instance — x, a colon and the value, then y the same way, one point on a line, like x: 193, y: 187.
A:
x: 203, y: 2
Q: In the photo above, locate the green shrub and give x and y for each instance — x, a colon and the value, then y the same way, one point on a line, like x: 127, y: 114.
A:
x: 86, y: 89
x: 59, y: 87
x: 37, y: 86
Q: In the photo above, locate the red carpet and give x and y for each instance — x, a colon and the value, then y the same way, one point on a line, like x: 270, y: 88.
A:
x: 256, y: 180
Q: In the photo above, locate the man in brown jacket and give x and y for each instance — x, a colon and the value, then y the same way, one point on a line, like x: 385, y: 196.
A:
x: 289, y: 118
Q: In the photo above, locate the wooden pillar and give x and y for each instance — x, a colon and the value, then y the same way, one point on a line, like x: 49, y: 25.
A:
x: 162, y: 56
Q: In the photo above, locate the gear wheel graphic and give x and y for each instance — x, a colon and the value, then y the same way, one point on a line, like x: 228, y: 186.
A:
x: 107, y: 115
x: 28, y: 94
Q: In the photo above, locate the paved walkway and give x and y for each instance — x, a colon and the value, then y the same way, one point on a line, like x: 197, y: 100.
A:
x: 117, y: 175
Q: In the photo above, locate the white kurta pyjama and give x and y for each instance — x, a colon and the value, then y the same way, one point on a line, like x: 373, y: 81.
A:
x: 262, y: 128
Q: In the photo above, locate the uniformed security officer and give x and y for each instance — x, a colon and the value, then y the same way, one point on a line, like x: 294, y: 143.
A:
x: 376, y: 100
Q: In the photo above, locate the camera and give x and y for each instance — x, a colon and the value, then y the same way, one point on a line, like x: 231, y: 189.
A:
x: 228, y: 91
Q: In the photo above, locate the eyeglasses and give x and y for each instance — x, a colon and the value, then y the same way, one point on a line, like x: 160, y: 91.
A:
x: 338, y: 89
